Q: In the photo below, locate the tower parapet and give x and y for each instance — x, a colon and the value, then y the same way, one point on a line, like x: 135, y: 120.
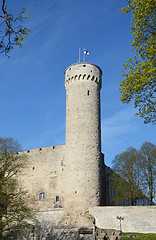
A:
x: 83, y: 72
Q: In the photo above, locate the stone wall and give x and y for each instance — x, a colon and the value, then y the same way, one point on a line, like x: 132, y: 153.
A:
x: 43, y: 177
x: 51, y: 218
x: 141, y: 219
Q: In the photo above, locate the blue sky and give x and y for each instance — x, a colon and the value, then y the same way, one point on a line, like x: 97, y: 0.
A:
x: 32, y: 92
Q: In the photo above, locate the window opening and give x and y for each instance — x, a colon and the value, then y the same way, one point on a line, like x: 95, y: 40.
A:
x: 57, y: 198
x: 42, y: 196
x: 88, y: 92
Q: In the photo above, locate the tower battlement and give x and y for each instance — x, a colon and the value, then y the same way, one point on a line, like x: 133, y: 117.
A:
x: 83, y: 72
x: 44, y: 149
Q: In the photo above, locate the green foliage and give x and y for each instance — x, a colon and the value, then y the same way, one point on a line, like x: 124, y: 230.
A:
x: 12, y: 33
x: 148, y: 168
x: 14, y: 211
x: 135, y: 174
x: 127, y: 184
x: 139, y: 81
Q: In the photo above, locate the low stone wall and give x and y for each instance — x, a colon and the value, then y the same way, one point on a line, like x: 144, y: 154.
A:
x: 53, y: 218
x: 141, y: 219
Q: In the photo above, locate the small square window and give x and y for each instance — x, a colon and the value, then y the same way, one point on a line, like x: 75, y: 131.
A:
x: 42, y: 196
x: 57, y: 198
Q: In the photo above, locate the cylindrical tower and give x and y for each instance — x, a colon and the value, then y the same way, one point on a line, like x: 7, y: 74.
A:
x: 83, y: 138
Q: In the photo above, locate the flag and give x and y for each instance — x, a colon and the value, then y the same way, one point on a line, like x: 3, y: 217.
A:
x: 85, y: 52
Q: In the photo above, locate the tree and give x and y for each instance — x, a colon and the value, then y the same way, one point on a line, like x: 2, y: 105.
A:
x: 139, y: 83
x: 14, y: 212
x: 148, y: 155
x: 126, y: 178
x: 11, y: 33
x: 44, y: 230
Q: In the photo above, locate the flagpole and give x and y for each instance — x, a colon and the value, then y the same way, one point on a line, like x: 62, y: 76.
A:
x: 83, y: 55
x: 79, y: 55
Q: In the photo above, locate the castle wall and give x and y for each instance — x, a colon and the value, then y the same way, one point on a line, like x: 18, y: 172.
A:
x: 66, y: 183
x: 69, y: 176
x: 43, y: 177
x: 51, y: 218
x: 136, y: 219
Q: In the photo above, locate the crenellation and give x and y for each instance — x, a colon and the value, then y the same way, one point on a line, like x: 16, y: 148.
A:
x: 49, y: 148
x: 83, y: 72
x: 22, y: 152
x: 82, y: 78
x: 34, y: 150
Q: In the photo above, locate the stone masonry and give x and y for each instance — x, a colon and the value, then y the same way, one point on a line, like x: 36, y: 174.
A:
x: 67, y: 184
x: 66, y: 179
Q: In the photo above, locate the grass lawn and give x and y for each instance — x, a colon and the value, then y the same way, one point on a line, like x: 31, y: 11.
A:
x: 139, y: 236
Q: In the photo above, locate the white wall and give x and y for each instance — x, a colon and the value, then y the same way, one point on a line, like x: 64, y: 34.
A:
x: 141, y: 219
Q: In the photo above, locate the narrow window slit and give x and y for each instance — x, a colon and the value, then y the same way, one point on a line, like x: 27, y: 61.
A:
x: 42, y: 196
x: 57, y: 198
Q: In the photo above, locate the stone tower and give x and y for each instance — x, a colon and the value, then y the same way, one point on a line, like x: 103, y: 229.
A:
x: 83, y: 140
